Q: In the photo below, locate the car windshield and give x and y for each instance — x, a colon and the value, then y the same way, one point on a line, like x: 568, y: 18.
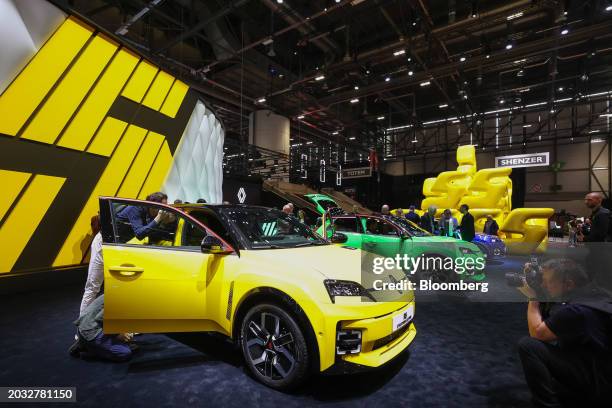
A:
x: 267, y: 228
x: 410, y: 227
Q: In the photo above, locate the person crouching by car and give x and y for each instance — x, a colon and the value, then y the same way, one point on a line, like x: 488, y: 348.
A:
x: 567, y: 357
x: 93, y: 342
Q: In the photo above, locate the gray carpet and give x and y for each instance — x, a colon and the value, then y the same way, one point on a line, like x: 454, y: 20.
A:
x: 464, y: 355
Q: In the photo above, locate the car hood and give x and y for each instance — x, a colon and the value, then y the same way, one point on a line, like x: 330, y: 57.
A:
x: 330, y: 261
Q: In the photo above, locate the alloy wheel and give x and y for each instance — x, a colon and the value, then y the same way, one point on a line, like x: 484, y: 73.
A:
x: 270, y: 345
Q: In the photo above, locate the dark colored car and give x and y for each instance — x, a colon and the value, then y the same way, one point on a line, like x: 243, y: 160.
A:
x: 491, y: 245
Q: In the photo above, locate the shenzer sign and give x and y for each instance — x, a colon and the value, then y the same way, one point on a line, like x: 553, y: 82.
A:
x: 523, y: 160
x: 356, y: 172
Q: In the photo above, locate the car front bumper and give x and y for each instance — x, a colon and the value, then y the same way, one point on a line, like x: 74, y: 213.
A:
x: 380, y: 343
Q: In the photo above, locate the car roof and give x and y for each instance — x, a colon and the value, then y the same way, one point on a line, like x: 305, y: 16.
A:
x: 195, y: 206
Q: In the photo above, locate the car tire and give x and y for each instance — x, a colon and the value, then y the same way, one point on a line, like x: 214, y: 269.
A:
x: 274, y: 347
x: 434, y: 275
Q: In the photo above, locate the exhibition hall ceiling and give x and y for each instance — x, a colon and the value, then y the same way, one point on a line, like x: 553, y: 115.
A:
x: 347, y: 71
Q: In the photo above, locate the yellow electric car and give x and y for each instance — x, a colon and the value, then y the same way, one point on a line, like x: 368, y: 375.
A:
x: 290, y: 300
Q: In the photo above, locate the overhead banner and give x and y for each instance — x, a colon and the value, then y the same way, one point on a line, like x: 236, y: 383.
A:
x: 523, y: 160
x: 358, y: 172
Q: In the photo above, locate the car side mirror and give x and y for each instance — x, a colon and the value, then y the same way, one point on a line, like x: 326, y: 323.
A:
x: 339, y: 238
x: 212, y: 245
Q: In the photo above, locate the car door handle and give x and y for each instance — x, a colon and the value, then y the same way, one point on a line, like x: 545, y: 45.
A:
x: 126, y: 269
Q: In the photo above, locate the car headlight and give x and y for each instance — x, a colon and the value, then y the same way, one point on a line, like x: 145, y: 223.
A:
x: 345, y: 288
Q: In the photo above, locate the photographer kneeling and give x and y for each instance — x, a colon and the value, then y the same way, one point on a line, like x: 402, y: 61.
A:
x: 568, y: 354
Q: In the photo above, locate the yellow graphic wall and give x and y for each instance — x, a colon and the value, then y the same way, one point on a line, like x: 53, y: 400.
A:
x: 86, y: 117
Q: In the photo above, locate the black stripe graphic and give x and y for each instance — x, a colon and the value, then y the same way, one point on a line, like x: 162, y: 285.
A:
x: 129, y: 111
x: 82, y: 172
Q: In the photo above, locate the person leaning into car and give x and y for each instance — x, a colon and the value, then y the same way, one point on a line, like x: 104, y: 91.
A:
x: 567, y: 357
x: 144, y: 222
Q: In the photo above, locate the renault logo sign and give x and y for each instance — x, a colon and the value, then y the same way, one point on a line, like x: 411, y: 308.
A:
x: 241, y: 195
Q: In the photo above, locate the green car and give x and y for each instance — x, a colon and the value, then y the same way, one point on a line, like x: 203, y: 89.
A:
x: 389, y: 236
x: 323, y: 203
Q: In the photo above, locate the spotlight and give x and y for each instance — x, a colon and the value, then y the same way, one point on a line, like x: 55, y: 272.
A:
x: 564, y: 30
x: 356, y: 87
x: 354, y: 100
x: 444, y: 105
x: 301, y: 117
x: 399, y: 52
x: 609, y: 8
x: 520, y: 72
x: 410, y: 73
x: 560, y: 89
x: 261, y: 100
x: 502, y: 101
x: 509, y: 46
x: 279, y: 1
x: 387, y: 79
x: 462, y: 59
x: 487, y: 50
x: 425, y: 83
x: 320, y: 78
x: 380, y: 118
x: 515, y: 15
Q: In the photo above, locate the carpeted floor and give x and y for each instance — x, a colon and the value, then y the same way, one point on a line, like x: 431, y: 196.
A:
x: 464, y: 355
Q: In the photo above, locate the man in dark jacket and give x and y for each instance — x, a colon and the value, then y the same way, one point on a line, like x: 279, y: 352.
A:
x: 428, y: 222
x: 600, y: 219
x: 142, y: 221
x: 599, y: 259
x: 413, y: 216
x: 567, y: 358
x: 490, y: 226
x: 467, y: 224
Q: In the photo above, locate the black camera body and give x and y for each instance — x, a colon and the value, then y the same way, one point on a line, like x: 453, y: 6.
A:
x: 531, y: 274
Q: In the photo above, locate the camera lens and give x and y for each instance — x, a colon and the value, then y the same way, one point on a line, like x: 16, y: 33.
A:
x: 514, y: 280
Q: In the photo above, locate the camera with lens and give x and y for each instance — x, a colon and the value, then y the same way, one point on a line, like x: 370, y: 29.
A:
x: 531, y: 274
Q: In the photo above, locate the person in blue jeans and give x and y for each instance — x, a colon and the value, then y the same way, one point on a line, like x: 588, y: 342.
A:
x: 92, y: 340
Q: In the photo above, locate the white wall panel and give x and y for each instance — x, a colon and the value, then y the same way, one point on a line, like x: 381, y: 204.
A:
x: 24, y: 27
x: 197, y: 170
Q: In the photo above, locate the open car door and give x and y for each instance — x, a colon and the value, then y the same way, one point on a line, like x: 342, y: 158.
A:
x: 155, y: 273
